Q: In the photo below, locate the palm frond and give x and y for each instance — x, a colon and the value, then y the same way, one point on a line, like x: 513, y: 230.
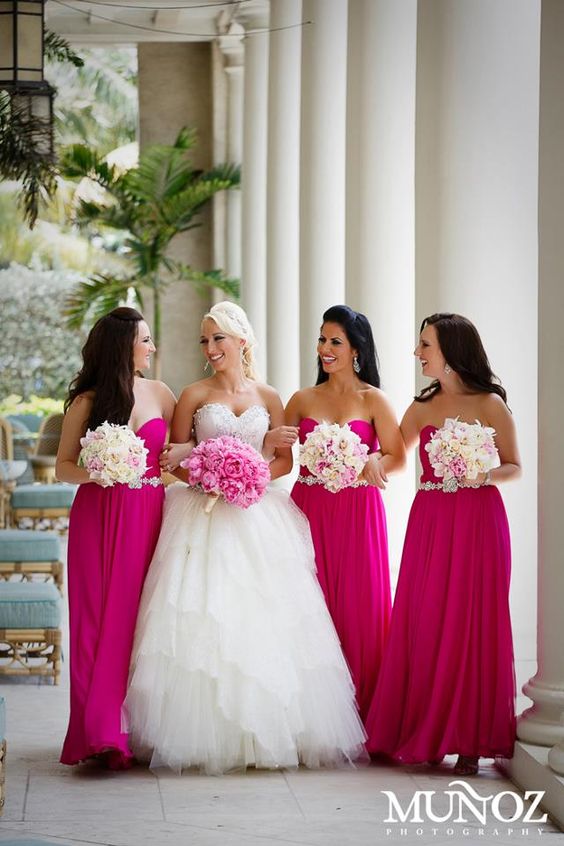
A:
x: 94, y: 297
x: 186, y: 138
x: 223, y: 172
x: 56, y: 49
x: 22, y: 158
x: 162, y: 172
x: 179, y: 210
x: 79, y: 160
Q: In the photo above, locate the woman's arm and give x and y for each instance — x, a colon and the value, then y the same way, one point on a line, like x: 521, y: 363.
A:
x: 180, y: 443
x: 391, y: 455
x: 74, y: 428
x: 410, y: 426
x: 282, y: 462
x: 282, y: 436
x: 501, y: 419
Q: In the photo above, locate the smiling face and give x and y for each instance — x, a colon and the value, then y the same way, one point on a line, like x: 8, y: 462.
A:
x: 223, y: 351
x: 334, y: 349
x: 429, y: 353
x: 143, y: 347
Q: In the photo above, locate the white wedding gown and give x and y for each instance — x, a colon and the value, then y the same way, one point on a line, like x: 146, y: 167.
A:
x: 236, y: 661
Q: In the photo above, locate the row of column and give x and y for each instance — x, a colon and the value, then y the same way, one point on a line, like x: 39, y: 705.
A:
x: 390, y: 155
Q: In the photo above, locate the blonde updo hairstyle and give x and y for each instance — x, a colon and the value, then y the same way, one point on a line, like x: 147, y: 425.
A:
x: 232, y: 320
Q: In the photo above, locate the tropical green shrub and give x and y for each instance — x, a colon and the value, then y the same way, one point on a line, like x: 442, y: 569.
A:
x: 39, y: 354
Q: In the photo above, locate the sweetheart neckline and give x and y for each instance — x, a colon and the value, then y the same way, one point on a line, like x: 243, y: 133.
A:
x: 230, y: 410
x: 136, y: 431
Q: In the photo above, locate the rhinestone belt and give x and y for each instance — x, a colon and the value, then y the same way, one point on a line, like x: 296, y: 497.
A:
x: 313, y: 480
x: 448, y: 486
x: 153, y: 481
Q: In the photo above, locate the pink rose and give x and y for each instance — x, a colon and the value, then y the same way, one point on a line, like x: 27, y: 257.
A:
x: 209, y: 481
x: 233, y: 467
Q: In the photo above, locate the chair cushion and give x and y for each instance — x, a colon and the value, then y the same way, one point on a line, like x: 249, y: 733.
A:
x: 43, y: 496
x: 28, y: 545
x: 29, y: 605
x: 2, y: 718
x: 43, y: 460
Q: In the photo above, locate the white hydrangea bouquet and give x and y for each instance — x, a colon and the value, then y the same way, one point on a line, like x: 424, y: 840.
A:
x: 460, y: 451
x: 335, y: 455
x: 114, y: 454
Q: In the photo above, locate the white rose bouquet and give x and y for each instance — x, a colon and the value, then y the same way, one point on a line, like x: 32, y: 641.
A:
x: 335, y: 455
x: 461, y: 451
x: 114, y: 454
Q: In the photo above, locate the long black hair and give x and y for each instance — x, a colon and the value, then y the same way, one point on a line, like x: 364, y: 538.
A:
x: 359, y: 335
x: 464, y: 352
x: 108, y: 369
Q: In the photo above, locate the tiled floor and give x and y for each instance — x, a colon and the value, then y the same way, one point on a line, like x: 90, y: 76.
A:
x: 49, y: 803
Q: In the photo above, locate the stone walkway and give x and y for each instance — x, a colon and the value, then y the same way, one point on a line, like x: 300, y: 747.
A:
x: 49, y: 803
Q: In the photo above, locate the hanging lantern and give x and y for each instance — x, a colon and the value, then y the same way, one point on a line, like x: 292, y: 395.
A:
x: 21, y: 68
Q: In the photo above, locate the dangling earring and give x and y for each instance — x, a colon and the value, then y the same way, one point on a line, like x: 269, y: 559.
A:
x: 356, y: 365
x: 206, y: 365
x: 447, y: 369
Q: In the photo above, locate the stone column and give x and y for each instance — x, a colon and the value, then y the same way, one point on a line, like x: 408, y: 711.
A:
x: 175, y: 91
x: 380, y: 225
x: 283, y: 205
x: 476, y: 220
x: 231, y: 45
x: 253, y: 276
x: 543, y: 724
x: 322, y: 171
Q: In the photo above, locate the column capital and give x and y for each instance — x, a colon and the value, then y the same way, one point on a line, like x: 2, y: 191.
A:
x: 230, y: 40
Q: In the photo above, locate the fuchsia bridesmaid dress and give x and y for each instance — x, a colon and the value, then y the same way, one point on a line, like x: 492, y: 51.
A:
x: 112, y: 535
x: 351, y: 555
x: 447, y: 681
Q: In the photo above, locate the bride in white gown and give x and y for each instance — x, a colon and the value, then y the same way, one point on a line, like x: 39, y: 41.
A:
x: 236, y: 661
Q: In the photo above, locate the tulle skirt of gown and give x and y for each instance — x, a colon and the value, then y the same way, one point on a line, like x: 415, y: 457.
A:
x: 236, y: 661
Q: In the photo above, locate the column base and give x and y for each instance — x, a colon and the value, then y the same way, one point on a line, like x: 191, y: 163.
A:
x: 556, y: 758
x: 529, y: 769
x: 542, y: 725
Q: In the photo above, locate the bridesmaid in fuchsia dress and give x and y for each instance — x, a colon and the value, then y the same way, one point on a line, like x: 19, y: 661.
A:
x: 112, y: 534
x: 349, y: 527
x: 447, y: 682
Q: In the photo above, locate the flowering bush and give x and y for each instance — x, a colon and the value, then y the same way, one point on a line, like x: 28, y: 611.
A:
x: 230, y: 468
x: 460, y: 450
x: 114, y: 454
x: 334, y: 454
x: 38, y: 354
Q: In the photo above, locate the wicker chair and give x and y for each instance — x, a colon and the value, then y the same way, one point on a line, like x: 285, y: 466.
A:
x: 45, y: 454
x: 9, y: 469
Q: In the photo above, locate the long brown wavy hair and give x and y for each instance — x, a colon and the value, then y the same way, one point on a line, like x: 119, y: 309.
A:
x: 464, y: 352
x: 107, y: 369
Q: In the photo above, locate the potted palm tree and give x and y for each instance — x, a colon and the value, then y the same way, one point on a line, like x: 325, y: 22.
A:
x: 149, y: 204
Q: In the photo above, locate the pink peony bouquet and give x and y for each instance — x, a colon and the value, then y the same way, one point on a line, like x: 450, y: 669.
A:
x: 459, y: 451
x: 229, y: 468
x: 114, y: 454
x: 335, y: 455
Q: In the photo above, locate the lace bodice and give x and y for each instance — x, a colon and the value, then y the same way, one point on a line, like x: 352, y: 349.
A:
x: 214, y: 419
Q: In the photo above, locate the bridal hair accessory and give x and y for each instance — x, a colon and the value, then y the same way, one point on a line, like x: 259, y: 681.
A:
x: 356, y: 365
